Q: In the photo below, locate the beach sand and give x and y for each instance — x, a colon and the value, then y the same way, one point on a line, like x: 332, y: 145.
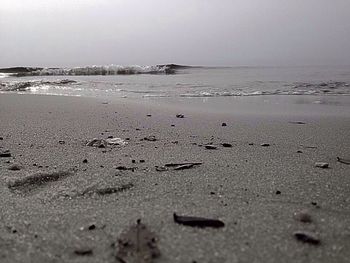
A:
x: 254, y: 190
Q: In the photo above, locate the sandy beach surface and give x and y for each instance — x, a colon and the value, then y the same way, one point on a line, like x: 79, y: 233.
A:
x: 64, y: 201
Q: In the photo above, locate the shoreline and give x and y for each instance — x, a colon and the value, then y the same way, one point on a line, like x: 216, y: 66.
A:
x: 237, y: 185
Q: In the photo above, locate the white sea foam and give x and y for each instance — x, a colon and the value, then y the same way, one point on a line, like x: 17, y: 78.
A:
x: 102, y: 70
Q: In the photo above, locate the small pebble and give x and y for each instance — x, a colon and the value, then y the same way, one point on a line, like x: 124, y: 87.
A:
x: 149, y: 115
x: 180, y: 116
x: 303, y: 216
x: 223, y: 124
x: 265, y: 144
x: 61, y: 142
x: 226, y: 144
x: 85, y: 161
x: 278, y: 192
x: 142, y: 161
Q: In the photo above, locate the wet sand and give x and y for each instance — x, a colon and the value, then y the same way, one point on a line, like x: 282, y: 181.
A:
x: 255, y: 190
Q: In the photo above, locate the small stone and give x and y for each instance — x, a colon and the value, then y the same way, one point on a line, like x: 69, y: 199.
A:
x: 251, y: 143
x: 299, y: 151
x: 210, y: 147
x: 307, y: 237
x: 278, y: 192
x: 303, y: 216
x: 61, y: 142
x: 85, y: 161
x: 223, y: 124
x: 149, y: 115
x: 1, y: 138
x: 133, y: 161
x: 180, y: 116
x: 265, y: 144
x: 142, y: 161
x: 172, y: 125
x: 226, y: 144
x: 321, y: 165
x: 14, y: 167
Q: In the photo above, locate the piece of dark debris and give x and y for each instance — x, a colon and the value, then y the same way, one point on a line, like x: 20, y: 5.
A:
x: 61, y: 142
x: 83, y: 251
x: 297, y: 122
x: 307, y: 237
x: 124, y: 168
x: 210, y: 147
x: 322, y: 165
x: 265, y: 144
x: 226, y: 145
x: 150, y: 138
x: 223, y: 124
x: 278, y: 192
x: 5, y: 153
x: 198, y: 221
x: 14, y: 167
x: 181, y: 116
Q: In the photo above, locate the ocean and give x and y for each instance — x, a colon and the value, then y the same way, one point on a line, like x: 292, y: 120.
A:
x: 316, y: 85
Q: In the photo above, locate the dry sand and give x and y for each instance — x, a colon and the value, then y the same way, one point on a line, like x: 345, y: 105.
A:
x: 254, y: 190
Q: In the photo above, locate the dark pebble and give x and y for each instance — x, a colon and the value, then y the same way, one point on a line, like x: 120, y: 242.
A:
x: 180, y: 116
x: 226, y: 145
x: 278, y: 192
x: 1, y: 138
x: 265, y: 144
x: 223, y: 124
x: 61, y: 142
x: 142, y: 161
x: 92, y: 227
x: 85, y: 161
x: 133, y: 161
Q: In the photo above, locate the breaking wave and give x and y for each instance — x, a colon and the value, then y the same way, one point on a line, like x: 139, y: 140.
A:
x: 93, y: 70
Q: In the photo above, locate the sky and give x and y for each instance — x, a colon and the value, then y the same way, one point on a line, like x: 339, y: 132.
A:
x: 194, y: 32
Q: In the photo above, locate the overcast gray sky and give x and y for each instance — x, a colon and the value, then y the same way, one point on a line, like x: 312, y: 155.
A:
x: 197, y: 32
